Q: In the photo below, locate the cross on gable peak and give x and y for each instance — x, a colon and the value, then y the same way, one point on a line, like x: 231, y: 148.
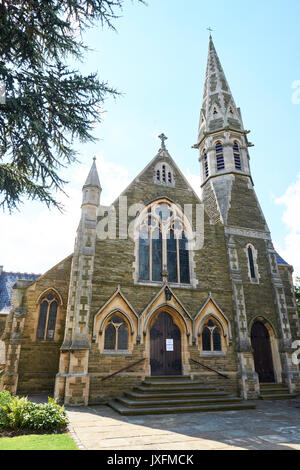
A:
x: 163, y: 138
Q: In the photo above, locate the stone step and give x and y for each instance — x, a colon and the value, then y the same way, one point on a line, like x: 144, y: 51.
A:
x: 169, y: 378
x: 278, y: 396
x: 266, y: 385
x: 124, y: 410
x: 276, y: 390
x: 177, y: 384
x: 158, y: 390
x: 170, y: 394
x: 176, y: 403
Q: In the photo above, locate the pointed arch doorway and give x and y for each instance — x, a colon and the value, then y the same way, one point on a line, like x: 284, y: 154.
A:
x: 165, y: 346
x: 262, y: 352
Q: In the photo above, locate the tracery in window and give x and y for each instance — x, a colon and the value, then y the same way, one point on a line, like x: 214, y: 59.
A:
x: 116, y: 334
x: 47, y: 317
x: 163, y: 244
x: 211, y: 336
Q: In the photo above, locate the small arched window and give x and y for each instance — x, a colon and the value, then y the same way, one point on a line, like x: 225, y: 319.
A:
x: 47, y: 317
x: 237, y: 156
x: 251, y: 264
x: 205, y: 165
x: 211, y: 337
x: 219, y: 156
x: 116, y: 334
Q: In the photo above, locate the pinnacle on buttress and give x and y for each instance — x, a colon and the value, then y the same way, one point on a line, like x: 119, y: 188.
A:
x: 93, y: 177
x: 92, y: 188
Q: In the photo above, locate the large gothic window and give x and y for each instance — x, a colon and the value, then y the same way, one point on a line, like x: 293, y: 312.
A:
x: 163, y: 245
x: 116, y: 334
x: 47, y: 317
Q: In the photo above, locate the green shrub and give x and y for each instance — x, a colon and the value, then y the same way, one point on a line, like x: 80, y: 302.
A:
x: 14, y: 413
x: 48, y: 416
x: 19, y: 413
x: 5, y: 397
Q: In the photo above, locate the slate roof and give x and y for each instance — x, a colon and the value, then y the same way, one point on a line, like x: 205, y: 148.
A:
x: 281, y: 260
x: 7, y: 280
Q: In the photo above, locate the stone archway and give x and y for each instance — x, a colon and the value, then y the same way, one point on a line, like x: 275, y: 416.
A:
x: 165, y: 346
x: 262, y: 352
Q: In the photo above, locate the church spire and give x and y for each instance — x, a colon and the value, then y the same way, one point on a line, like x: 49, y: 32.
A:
x: 218, y: 110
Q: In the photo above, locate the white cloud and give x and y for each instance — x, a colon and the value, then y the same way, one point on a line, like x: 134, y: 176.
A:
x: 35, y: 239
x: 291, y: 249
x: 194, y: 180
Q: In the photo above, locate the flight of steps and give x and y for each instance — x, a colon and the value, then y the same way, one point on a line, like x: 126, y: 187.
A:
x: 173, y: 394
x: 272, y: 391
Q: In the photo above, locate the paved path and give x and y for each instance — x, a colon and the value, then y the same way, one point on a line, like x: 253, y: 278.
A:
x: 273, y: 425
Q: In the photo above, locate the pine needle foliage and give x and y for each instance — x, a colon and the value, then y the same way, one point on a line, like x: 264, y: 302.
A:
x: 45, y: 105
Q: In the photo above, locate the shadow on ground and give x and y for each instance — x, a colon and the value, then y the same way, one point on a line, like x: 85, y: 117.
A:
x: 273, y: 425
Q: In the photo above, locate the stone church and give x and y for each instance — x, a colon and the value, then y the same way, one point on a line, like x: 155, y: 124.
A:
x: 162, y: 285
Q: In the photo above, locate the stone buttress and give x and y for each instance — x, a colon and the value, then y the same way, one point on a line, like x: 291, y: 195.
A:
x: 72, y: 380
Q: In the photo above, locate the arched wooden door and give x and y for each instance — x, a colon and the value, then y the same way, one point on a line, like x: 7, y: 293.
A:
x: 262, y: 352
x: 165, y: 347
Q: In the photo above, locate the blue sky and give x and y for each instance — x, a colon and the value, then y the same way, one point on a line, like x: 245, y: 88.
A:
x: 157, y: 59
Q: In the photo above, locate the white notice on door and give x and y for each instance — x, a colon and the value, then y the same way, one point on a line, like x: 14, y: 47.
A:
x: 169, y: 345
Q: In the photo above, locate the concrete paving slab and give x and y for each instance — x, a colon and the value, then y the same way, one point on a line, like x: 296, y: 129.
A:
x: 273, y: 425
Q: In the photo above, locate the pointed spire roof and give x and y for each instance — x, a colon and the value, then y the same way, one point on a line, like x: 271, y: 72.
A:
x: 218, y: 106
x: 93, y: 177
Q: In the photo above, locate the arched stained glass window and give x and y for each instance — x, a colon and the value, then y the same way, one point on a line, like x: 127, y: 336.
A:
x: 116, y: 334
x: 163, y: 245
x: 47, y: 317
x: 211, y: 337
x: 219, y: 156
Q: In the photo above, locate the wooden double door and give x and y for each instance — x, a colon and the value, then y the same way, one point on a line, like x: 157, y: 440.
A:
x: 165, y: 346
x: 262, y: 352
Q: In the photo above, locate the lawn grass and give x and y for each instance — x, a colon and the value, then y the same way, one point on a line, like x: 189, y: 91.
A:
x: 38, y: 442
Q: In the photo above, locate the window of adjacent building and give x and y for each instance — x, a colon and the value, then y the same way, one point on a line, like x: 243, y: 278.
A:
x: 163, y: 243
x: 219, y: 156
x: 237, y: 156
x: 211, y: 337
x: 116, y: 334
x: 47, y: 317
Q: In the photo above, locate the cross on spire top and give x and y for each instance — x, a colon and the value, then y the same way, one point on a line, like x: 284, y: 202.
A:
x: 210, y: 30
x: 162, y: 137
